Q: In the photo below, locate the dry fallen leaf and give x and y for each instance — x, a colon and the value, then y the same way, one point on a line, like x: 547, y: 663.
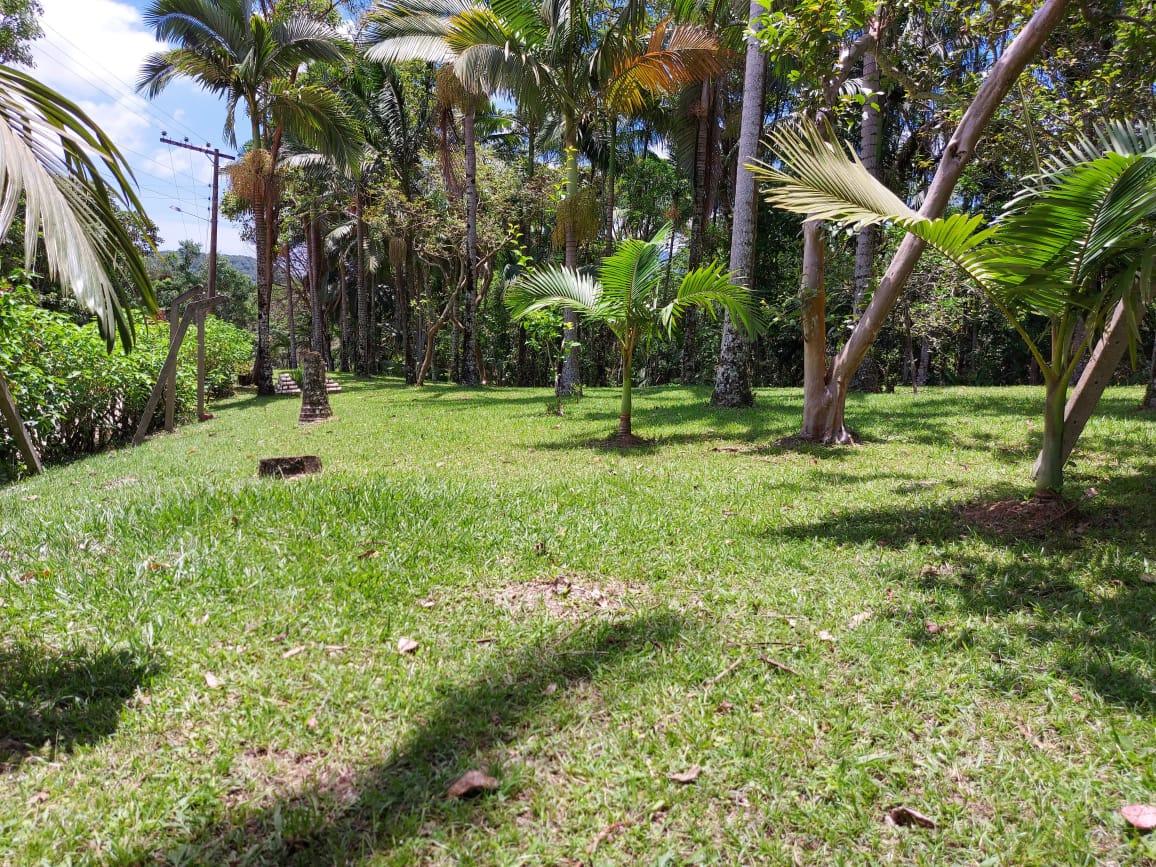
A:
x: 211, y: 680
x: 724, y: 707
x: 368, y: 554
x: 406, y: 645
x: 427, y: 602
x: 550, y: 689
x: 38, y: 798
x: 293, y: 651
x: 311, y: 723
x: 859, y: 619
x: 1148, y: 578
x: 905, y: 817
x: 1142, y: 817
x: 471, y: 783
x: 688, y: 776
x: 932, y: 627
x: 824, y: 635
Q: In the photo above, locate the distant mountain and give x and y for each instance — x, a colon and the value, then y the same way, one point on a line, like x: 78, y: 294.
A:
x: 247, y: 265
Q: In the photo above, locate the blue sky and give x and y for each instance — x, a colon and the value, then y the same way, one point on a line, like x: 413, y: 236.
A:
x: 92, y: 51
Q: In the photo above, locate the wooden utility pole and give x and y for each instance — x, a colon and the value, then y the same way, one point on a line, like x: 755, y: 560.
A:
x: 214, y: 218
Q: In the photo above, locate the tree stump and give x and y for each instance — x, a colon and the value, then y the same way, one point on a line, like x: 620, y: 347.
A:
x: 287, y: 468
x: 314, y: 396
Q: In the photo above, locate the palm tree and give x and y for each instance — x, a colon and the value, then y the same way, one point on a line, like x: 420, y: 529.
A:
x: 1074, y: 243
x: 547, y: 56
x: 253, y: 59
x: 628, y: 298
x: 75, y: 189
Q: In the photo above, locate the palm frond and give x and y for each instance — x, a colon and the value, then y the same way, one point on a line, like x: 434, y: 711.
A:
x: 712, y: 288
x: 553, y: 287
x: 70, y: 178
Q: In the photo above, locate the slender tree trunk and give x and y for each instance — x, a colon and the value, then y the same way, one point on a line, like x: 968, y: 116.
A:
x: 348, y: 350
x: 316, y: 283
x: 1097, y: 375
x: 1050, y: 475
x: 291, y: 308
x: 262, y: 362
x: 698, y: 221
x: 625, y: 408
x: 471, y: 374
x: 909, y: 348
x: 732, y: 380
x: 361, y: 362
x: 570, y: 377
x: 265, y: 232
x: 813, y: 298
x: 823, y: 412
x: 1150, y: 392
x: 869, y: 139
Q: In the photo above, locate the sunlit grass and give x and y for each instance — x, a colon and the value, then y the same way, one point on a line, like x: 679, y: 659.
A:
x: 197, y: 663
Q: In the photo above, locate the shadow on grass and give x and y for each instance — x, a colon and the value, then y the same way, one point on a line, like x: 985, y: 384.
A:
x: 383, y: 805
x: 63, y: 699
x: 1063, y: 595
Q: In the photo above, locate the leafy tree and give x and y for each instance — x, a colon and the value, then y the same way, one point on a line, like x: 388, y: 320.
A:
x: 629, y: 297
x: 1073, y: 244
x: 252, y: 55
x: 19, y: 28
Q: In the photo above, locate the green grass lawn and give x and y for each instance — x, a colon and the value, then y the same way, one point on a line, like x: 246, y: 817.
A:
x: 197, y: 666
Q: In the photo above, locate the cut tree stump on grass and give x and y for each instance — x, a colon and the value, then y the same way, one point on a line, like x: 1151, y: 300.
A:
x: 287, y: 468
x: 314, y: 395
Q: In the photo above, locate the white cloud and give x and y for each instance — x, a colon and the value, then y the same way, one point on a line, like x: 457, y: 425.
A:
x: 92, y: 52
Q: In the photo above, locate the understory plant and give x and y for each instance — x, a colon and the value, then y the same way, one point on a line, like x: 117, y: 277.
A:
x: 1076, y: 241
x: 631, y: 296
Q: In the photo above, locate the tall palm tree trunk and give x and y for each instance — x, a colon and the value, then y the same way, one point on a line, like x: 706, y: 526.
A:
x: 869, y: 139
x: 292, y: 310
x: 698, y: 221
x: 347, y: 338
x: 570, y: 377
x: 262, y: 362
x: 732, y: 382
x: 362, y: 363
x: 471, y: 372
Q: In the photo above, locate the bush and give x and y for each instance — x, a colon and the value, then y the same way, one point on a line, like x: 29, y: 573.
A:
x: 77, y: 398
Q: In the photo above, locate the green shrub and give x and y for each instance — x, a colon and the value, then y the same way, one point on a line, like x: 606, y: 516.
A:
x: 77, y: 398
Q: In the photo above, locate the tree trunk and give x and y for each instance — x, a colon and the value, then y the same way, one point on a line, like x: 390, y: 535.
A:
x: 869, y: 140
x: 316, y: 283
x: 570, y: 376
x: 624, y: 410
x: 1150, y: 392
x: 18, y: 431
x: 698, y: 221
x: 923, y: 374
x: 361, y: 362
x: 732, y: 381
x: 291, y: 309
x: 471, y: 374
x: 1050, y: 475
x: 1097, y: 375
x: 824, y: 410
x: 262, y: 362
x: 813, y: 300
x: 348, y: 351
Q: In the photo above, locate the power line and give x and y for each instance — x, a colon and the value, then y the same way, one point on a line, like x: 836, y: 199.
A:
x: 130, y: 90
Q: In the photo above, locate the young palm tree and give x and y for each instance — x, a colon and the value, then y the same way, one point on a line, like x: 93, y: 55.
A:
x: 1074, y: 243
x: 547, y: 57
x: 628, y: 298
x: 235, y: 50
x: 75, y: 188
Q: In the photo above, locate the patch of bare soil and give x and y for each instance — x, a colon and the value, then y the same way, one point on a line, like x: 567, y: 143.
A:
x: 264, y: 775
x: 567, y: 597
x: 1021, y: 517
